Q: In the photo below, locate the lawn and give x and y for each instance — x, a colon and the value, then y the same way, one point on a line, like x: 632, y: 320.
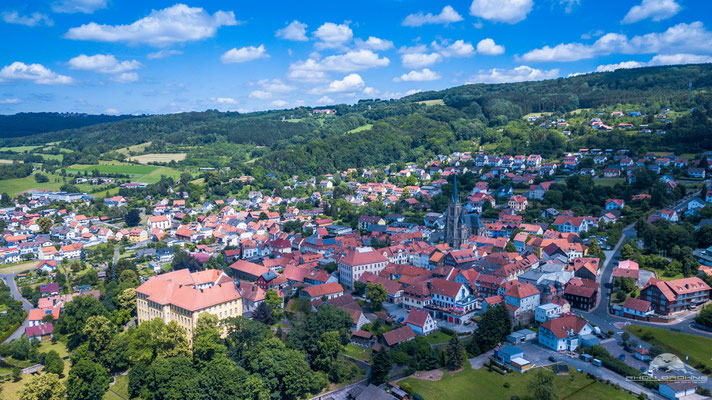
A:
x: 59, y: 347
x: 437, y: 338
x: 357, y: 352
x: 490, y: 385
x: 608, y: 182
x: 130, y: 169
x: 121, y: 387
x: 698, y: 348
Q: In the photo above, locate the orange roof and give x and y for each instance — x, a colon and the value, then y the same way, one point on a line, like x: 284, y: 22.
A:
x: 324, y: 289
x: 178, y: 288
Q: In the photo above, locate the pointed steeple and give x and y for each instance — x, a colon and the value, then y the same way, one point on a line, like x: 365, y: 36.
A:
x: 454, y: 189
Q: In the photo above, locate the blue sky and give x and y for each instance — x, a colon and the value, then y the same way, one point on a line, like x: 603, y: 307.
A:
x: 111, y: 56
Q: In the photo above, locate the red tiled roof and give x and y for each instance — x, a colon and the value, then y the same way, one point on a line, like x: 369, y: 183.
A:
x: 361, y: 257
x: 324, y: 289
x: 417, y: 318
x: 562, y: 325
x: 637, y: 304
x: 399, y: 335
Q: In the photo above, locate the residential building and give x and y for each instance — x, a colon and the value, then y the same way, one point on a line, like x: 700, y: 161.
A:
x: 667, y: 297
x: 563, y: 333
x: 359, y: 261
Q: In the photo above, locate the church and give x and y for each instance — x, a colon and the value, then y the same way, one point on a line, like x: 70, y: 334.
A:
x: 458, y: 225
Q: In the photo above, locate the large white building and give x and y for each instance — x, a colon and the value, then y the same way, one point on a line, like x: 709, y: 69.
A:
x: 563, y: 333
x: 354, y: 264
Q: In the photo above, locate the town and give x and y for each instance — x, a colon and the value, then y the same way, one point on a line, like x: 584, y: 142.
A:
x: 502, y: 271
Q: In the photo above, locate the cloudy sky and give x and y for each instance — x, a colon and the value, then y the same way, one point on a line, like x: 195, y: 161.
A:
x: 111, y: 56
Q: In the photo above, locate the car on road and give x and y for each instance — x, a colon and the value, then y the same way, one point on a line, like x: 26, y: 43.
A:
x: 621, y: 357
x: 552, y: 359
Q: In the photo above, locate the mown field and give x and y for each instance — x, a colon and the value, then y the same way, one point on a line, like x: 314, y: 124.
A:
x: 162, y: 158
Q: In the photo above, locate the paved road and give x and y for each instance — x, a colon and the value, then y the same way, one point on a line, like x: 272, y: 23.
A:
x: 9, y: 280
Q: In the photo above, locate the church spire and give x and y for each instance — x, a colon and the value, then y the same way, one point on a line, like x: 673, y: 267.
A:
x: 454, y: 189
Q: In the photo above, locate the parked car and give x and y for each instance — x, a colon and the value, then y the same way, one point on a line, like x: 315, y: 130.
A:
x: 621, y: 357
x: 552, y: 359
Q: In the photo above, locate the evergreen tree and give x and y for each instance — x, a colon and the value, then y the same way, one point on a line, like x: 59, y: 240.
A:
x: 455, y: 353
x: 264, y: 314
x: 381, y: 364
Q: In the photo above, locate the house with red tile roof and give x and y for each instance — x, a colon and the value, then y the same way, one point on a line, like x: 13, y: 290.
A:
x: 359, y: 261
x: 563, y: 333
x: 398, y: 336
x: 421, y: 321
x: 667, y: 297
x: 328, y: 290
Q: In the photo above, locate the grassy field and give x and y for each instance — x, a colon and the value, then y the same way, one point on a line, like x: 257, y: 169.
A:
x: 19, y: 149
x: 490, y: 385
x: 437, y: 338
x: 137, y: 148
x: 357, y: 352
x: 18, y: 267
x: 163, y: 158
x: 436, y: 102
x: 139, y: 173
x: 17, y: 185
x: 608, y: 182
x: 121, y: 387
x: 698, y: 348
x: 361, y: 128
x: 9, y: 390
x: 59, y: 347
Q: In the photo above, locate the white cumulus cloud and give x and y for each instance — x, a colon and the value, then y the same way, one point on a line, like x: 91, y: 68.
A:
x: 489, y: 47
x: 661, y: 59
x: 657, y: 10
x: 125, y: 77
x: 447, y: 15
x: 295, y: 31
x: 244, y: 54
x: 11, y: 100
x: 175, y: 24
x: 325, y: 100
x: 509, y: 11
x: 419, y: 60
x: 518, y: 74
x: 78, y: 6
x: 374, y: 43
x: 260, y: 94
x: 459, y: 48
x: 681, y: 38
x: 278, y: 103
x: 103, y: 63
x: 225, y: 100
x: 34, y: 19
x: 333, y: 36
x: 418, y: 76
x: 314, y: 70
x: 37, y: 73
x: 350, y: 83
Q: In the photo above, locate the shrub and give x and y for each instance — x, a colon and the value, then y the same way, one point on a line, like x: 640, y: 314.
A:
x: 507, y: 385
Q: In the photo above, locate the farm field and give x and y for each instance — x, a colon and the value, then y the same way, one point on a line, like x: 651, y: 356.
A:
x: 163, y: 158
x: 18, y: 149
x: 139, y: 173
x: 436, y: 102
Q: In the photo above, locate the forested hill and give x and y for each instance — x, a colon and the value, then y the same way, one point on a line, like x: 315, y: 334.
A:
x: 24, y: 124
x: 416, y: 127
x: 623, y: 86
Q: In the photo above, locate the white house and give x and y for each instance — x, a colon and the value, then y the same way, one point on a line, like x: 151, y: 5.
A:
x: 546, y: 312
x: 421, y: 322
x: 563, y: 333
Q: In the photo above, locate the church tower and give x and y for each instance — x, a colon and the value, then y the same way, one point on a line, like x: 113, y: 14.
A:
x: 456, y: 229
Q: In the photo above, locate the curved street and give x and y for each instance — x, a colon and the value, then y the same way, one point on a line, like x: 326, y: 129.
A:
x: 9, y: 280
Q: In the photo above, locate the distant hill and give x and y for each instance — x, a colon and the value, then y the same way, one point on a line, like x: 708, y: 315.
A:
x: 25, y: 124
x: 375, y: 132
